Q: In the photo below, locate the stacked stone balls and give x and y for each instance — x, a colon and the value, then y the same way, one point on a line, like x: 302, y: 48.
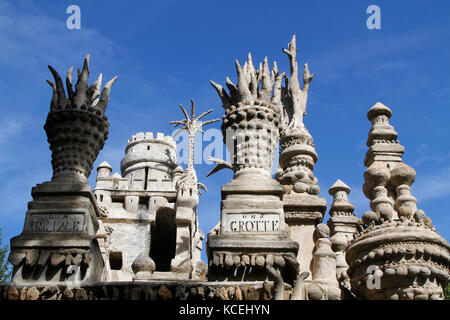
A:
x: 254, y: 133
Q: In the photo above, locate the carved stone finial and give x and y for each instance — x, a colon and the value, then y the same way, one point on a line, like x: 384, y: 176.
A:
x: 76, y: 126
x: 143, y: 266
x: 340, y: 205
x: 342, y: 219
x: 382, y: 140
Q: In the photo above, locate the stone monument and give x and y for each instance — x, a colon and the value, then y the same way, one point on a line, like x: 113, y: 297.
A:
x: 251, y: 241
x: 58, y: 243
x: 137, y: 236
x: 139, y: 204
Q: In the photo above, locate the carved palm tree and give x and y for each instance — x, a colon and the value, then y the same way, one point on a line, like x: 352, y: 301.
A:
x: 192, y: 125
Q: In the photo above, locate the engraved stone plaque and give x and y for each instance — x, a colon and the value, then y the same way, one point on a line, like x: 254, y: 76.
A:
x: 56, y: 222
x: 252, y: 222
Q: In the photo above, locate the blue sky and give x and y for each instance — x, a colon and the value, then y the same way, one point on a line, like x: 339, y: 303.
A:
x: 165, y: 53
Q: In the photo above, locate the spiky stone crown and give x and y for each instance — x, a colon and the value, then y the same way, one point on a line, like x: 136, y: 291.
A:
x: 84, y: 96
x: 263, y: 87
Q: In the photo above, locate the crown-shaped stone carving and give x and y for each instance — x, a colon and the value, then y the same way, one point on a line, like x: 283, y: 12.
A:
x: 76, y: 125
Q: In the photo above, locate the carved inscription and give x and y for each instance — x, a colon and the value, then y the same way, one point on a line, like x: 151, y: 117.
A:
x: 253, y: 222
x: 56, y: 222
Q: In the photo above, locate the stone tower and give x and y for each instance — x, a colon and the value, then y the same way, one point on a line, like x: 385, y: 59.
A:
x: 138, y: 206
x: 398, y: 254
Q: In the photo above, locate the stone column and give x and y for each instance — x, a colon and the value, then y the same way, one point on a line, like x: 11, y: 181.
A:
x: 342, y: 219
x: 252, y: 233
x: 324, y: 284
x: 303, y: 208
x: 58, y: 243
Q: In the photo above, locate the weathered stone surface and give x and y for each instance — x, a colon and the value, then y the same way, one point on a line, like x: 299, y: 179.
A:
x: 23, y: 294
x: 80, y: 294
x: 68, y: 294
x: 267, y: 293
x: 33, y: 293
x: 164, y: 293
x: 13, y: 294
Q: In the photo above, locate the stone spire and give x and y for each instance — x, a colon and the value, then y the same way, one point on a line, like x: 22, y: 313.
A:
x: 302, y: 206
x: 382, y: 140
x: 399, y: 242
x: 343, y: 224
x: 342, y: 219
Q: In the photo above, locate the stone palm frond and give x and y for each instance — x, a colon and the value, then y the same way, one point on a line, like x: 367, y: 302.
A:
x: 192, y: 124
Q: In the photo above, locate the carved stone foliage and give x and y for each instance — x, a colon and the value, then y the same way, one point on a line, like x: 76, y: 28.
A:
x: 76, y: 125
x: 57, y: 265
x: 253, y: 114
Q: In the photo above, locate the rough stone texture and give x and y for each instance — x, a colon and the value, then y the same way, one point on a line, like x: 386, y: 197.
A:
x: 149, y: 290
x: 343, y: 225
x: 144, y: 191
x: 398, y: 243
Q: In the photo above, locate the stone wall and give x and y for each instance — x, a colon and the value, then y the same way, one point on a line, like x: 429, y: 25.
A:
x: 149, y: 290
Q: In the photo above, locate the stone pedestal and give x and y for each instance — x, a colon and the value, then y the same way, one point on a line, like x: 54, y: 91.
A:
x: 252, y: 232
x: 302, y: 213
x: 58, y: 242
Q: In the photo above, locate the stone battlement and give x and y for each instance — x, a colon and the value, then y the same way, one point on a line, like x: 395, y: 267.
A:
x: 150, y: 137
